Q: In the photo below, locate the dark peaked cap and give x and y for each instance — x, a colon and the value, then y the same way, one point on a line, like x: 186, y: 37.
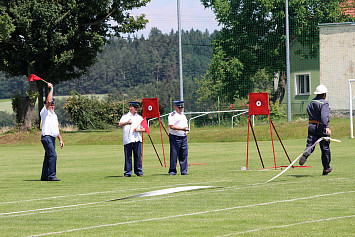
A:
x: 179, y: 104
x: 134, y: 104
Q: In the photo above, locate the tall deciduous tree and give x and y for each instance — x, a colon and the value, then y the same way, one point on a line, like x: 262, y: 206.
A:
x: 253, y: 33
x: 59, y: 39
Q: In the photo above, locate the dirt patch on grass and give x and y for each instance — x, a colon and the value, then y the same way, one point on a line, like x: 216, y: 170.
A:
x: 20, y: 138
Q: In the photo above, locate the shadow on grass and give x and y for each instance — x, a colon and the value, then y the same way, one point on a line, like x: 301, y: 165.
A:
x: 299, y: 176
x: 163, y: 175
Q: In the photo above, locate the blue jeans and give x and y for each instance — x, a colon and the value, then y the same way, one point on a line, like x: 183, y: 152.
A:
x: 50, y: 158
x: 136, y: 148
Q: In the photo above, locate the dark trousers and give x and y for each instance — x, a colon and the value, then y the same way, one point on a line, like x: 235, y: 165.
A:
x: 178, y: 150
x: 314, y: 133
x: 49, y: 167
x: 136, y: 148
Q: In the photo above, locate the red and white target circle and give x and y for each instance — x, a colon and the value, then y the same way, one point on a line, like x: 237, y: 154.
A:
x: 259, y: 104
x: 150, y: 108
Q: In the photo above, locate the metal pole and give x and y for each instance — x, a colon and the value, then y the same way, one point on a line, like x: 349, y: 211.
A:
x: 180, y: 52
x: 288, y: 64
x: 351, y: 109
x: 219, y: 117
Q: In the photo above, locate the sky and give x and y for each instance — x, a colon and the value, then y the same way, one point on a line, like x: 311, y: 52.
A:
x: 163, y: 15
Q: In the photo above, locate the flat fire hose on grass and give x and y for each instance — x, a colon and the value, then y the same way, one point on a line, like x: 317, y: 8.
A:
x: 319, y: 140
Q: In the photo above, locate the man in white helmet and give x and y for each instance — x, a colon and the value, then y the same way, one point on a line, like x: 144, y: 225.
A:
x: 318, y: 111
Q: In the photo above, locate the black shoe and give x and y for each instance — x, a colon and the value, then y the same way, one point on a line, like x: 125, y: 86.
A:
x: 54, y: 179
x: 303, y: 160
x: 172, y: 174
x: 327, y: 171
x: 184, y: 174
x: 126, y: 176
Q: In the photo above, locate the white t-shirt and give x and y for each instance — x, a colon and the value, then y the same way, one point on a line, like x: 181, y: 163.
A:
x: 179, y: 120
x: 49, y: 123
x: 129, y: 135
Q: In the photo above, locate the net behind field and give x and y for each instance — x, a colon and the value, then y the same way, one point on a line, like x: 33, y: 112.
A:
x: 255, y: 67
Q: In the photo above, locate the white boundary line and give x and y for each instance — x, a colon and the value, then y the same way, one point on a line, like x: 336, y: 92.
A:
x: 293, y: 224
x: 193, y: 213
x: 60, y: 208
x: 113, y: 191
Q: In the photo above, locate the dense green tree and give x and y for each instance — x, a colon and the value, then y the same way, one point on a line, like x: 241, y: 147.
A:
x: 253, y: 33
x: 59, y: 40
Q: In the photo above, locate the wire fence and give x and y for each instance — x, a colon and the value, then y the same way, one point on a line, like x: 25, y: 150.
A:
x: 249, y: 55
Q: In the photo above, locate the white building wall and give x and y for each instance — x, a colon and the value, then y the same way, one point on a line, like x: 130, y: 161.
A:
x: 337, y: 62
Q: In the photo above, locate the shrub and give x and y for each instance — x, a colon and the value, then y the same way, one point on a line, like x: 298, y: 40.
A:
x: 277, y: 111
x: 6, y: 119
x: 88, y: 113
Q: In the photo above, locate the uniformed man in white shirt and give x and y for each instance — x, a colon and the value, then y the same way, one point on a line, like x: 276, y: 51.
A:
x: 132, y: 139
x: 50, y: 131
x: 178, y: 129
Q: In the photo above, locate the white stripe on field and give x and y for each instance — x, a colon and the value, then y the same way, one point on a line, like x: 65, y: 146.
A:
x: 192, y: 214
x: 48, y: 208
x: 113, y: 191
x: 60, y: 208
x: 94, y: 193
x: 293, y: 224
x: 147, y: 194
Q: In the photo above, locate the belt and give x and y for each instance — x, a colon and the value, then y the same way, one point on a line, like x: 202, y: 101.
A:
x: 314, y: 121
x: 47, y: 136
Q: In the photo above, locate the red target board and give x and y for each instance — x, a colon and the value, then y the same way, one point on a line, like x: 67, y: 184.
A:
x: 259, y: 104
x: 150, y: 108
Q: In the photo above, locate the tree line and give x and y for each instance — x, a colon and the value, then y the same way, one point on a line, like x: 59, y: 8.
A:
x: 137, y: 67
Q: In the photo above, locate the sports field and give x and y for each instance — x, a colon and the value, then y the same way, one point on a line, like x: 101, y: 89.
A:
x: 301, y: 202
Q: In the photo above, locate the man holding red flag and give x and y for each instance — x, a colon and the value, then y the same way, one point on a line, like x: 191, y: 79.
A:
x: 132, y: 139
x: 50, y: 131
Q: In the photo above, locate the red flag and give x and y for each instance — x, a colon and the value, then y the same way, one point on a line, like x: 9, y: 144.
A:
x: 33, y: 77
x: 145, y: 125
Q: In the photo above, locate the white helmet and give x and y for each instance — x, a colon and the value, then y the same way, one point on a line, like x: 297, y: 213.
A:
x: 321, y: 89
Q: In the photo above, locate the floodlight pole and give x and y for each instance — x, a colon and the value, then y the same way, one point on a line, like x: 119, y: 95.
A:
x: 288, y: 63
x: 180, y: 52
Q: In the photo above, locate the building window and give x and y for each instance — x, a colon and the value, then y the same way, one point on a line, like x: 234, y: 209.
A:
x: 303, y: 85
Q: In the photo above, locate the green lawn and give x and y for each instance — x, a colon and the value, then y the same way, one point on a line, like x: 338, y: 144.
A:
x: 5, y: 105
x: 301, y: 202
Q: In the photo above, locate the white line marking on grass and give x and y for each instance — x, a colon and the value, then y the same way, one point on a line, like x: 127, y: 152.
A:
x: 48, y: 198
x: 293, y: 224
x: 147, y: 194
x: 193, y: 213
x: 48, y: 208
x: 113, y: 191
x: 61, y: 208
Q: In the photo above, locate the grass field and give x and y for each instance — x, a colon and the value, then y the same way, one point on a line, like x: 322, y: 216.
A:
x: 5, y: 105
x: 301, y: 202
